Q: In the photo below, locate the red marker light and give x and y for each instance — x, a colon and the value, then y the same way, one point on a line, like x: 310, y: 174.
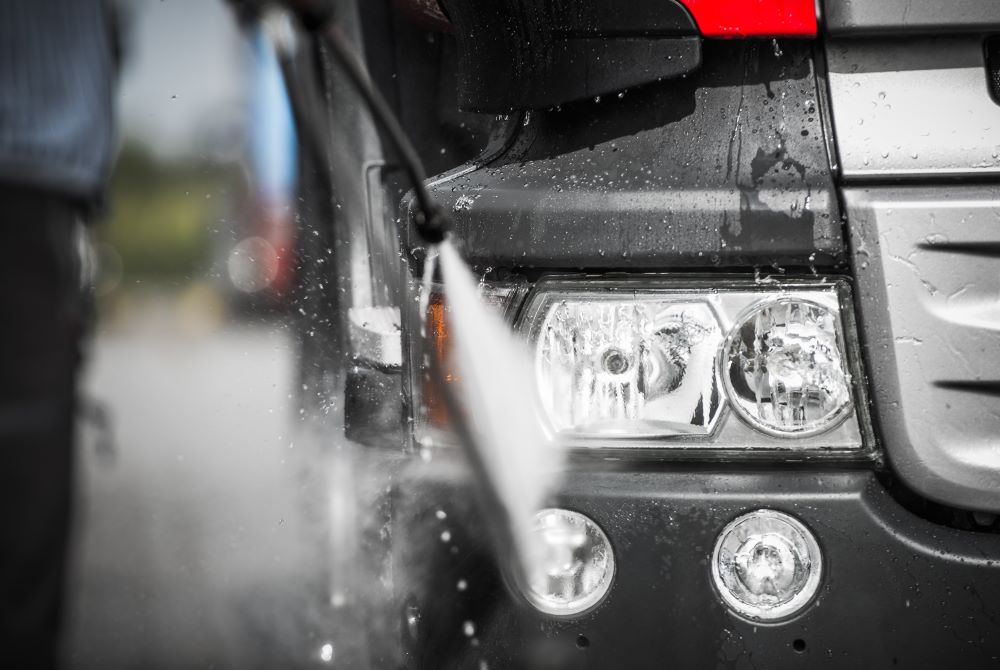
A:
x: 754, y: 18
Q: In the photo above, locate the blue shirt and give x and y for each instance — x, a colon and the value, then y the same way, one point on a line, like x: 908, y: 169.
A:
x: 57, y: 66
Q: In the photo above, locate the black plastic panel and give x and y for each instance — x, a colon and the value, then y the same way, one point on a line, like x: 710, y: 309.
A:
x: 897, y: 591
x: 374, y: 413
x: 527, y: 54
x: 724, y: 168
x: 897, y: 17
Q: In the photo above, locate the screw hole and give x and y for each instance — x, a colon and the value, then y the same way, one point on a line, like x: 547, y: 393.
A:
x: 582, y: 641
x: 799, y: 645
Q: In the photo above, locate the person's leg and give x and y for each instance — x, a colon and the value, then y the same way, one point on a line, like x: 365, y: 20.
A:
x: 42, y: 312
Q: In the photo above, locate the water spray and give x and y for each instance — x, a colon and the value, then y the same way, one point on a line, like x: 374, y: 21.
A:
x: 510, y: 456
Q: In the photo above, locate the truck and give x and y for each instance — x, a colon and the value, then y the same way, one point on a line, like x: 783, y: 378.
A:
x: 753, y: 249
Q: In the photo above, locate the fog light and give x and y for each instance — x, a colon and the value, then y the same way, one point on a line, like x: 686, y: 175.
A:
x: 766, y: 565
x: 573, y: 564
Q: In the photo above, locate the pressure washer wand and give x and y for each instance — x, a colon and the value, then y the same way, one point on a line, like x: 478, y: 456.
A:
x: 430, y: 219
x: 318, y: 17
x: 431, y: 224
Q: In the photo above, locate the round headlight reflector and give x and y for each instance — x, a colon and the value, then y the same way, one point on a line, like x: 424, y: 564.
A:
x: 573, y: 564
x: 784, y: 369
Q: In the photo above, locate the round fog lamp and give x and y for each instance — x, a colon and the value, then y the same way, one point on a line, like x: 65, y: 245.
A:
x: 766, y: 565
x: 572, y: 563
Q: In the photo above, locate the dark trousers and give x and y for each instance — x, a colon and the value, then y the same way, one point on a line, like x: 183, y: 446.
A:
x: 43, y: 311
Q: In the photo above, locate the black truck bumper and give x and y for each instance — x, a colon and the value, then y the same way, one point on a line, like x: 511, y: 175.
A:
x: 896, y: 590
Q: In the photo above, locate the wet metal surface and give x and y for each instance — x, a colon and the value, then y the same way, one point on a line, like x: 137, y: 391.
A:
x: 914, y: 107
x: 927, y: 263
x: 725, y: 168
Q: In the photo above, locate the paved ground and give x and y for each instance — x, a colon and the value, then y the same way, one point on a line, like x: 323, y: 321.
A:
x: 191, y: 546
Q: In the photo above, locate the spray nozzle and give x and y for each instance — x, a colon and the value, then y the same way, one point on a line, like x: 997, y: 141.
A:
x: 431, y: 224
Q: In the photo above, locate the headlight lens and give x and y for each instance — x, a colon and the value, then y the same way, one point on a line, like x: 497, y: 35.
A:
x: 668, y: 362
x: 638, y: 366
x: 784, y: 370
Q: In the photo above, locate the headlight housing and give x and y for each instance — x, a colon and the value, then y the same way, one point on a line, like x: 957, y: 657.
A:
x: 691, y: 364
x: 719, y: 366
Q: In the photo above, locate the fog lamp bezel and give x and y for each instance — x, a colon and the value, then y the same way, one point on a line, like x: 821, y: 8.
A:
x: 795, y: 605
x: 594, y: 599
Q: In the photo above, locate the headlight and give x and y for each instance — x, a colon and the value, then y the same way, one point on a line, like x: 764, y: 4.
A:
x: 729, y: 365
x: 784, y: 370
x: 639, y: 365
x: 713, y: 363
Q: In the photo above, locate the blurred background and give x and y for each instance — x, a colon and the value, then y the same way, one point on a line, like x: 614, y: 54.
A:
x: 190, y: 515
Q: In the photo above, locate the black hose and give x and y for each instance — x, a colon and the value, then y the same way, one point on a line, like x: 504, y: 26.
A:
x: 430, y: 219
x: 307, y: 110
x: 431, y: 225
